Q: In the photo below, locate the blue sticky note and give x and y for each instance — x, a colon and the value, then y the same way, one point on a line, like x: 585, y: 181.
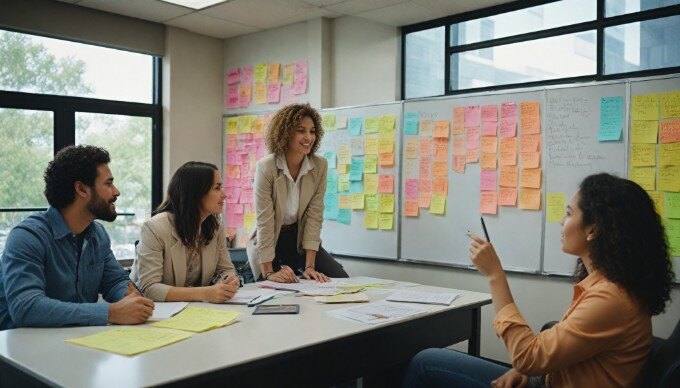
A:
x: 345, y: 216
x: 330, y: 210
x: 356, y: 169
x: 611, y: 118
x: 355, y: 124
x: 332, y: 181
x: 356, y: 187
x: 411, y: 123
x: 332, y: 160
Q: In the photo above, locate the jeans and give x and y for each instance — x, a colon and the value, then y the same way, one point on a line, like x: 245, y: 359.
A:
x: 449, y: 368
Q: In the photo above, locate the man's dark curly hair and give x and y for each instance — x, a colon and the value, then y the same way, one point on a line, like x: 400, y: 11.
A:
x: 630, y: 246
x: 72, y: 164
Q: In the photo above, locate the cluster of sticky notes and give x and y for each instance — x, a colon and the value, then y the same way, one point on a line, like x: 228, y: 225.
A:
x: 655, y: 155
x: 360, y: 170
x: 130, y: 341
x: 244, y: 147
x: 272, y: 83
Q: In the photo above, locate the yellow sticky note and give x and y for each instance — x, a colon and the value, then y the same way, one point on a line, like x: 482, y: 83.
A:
x: 669, y: 154
x: 345, y: 201
x: 260, y: 93
x: 344, y: 154
x: 530, y: 199
x: 657, y: 198
x: 370, y: 182
x: 643, y: 176
x: 129, y: 341
x: 644, y: 131
x: 244, y: 124
x: 645, y: 107
x: 273, y: 73
x: 642, y: 155
x: 438, y: 204
x: 328, y: 121
x: 555, y: 205
x: 232, y: 126
x: 386, y: 144
x: 386, y: 123
x: 371, y: 124
x: 288, y: 73
x: 670, y: 104
x: 260, y: 72
x: 371, y: 164
x: 669, y: 178
x: 412, y: 147
x: 386, y: 203
x: 372, y: 203
x: 198, y: 319
x: 386, y: 221
x: 249, y: 219
x: 357, y: 202
x: 371, y: 220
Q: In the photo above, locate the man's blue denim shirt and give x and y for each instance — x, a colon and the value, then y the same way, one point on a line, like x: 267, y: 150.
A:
x: 44, y: 284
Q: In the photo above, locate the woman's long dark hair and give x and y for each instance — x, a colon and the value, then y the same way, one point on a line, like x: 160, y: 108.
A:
x: 630, y: 245
x: 186, y: 190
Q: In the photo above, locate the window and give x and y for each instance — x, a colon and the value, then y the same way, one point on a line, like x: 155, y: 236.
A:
x: 54, y: 93
x: 425, y: 63
x: 555, y: 41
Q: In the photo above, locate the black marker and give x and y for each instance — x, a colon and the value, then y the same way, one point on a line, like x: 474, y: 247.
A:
x: 485, y: 232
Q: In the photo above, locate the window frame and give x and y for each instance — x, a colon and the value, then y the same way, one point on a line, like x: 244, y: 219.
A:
x: 598, y: 25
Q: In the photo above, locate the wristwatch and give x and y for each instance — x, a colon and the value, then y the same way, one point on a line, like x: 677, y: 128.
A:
x: 267, y: 274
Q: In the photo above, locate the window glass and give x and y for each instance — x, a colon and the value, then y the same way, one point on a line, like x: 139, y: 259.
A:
x: 83, y: 70
x: 651, y: 44
x: 621, y: 7
x: 425, y: 63
x: 533, y: 19
x: 561, y: 56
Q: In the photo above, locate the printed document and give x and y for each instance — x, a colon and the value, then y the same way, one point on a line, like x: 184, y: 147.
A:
x: 377, y: 312
x: 443, y: 298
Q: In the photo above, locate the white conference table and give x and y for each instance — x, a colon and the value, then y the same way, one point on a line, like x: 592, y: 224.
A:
x: 307, y: 349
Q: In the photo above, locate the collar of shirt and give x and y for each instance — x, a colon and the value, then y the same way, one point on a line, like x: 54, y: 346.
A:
x: 307, y: 165
x: 59, y: 227
x: 590, y: 280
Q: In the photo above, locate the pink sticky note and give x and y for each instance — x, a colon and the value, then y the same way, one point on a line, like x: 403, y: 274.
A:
x: 246, y: 195
x: 472, y: 138
x: 472, y: 116
x: 300, y: 69
x: 234, y: 158
x: 273, y: 93
x: 386, y: 183
x: 509, y: 111
x: 287, y: 95
x: 425, y: 168
x: 232, y: 97
x: 488, y: 202
x: 233, y: 76
x: 488, y: 181
x: 233, y: 194
x: 245, y: 95
x: 508, y: 127
x: 489, y: 128
x: 411, y: 188
x: 230, y: 182
x: 232, y: 142
x: 247, y: 75
x: 300, y: 86
x: 490, y: 114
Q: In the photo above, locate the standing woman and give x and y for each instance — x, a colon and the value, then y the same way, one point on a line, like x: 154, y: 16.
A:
x: 603, y: 340
x: 290, y: 183
x: 182, y: 253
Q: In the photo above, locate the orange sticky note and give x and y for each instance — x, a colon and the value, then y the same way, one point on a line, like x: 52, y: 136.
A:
x: 441, y: 129
x: 531, y: 178
x: 459, y: 145
x: 425, y: 147
x: 233, y: 171
x: 508, y: 176
x: 489, y: 161
x: 386, y: 183
x: 508, y: 155
x: 458, y: 164
x: 488, y: 202
x: 530, y: 199
x: 425, y: 186
x: 425, y: 168
x: 387, y: 159
x: 489, y: 144
x: 440, y: 186
x: 531, y: 117
x: 531, y: 143
x: 439, y: 169
x: 424, y: 200
x: 441, y: 149
x: 507, y: 196
x: 530, y: 159
x: 670, y: 132
x: 411, y: 208
x: 458, y: 120
x: 411, y: 148
x: 472, y: 155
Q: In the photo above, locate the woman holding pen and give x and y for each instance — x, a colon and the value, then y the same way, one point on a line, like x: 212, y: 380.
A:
x: 624, y: 277
x: 182, y: 253
x: 290, y: 184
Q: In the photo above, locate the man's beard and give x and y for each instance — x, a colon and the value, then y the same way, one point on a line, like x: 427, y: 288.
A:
x: 100, y: 209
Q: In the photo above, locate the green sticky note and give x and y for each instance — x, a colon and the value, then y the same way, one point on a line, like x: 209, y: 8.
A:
x: 671, y: 206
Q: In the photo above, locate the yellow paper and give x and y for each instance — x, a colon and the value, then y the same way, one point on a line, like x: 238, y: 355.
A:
x: 644, y: 131
x: 386, y: 144
x: 372, y: 202
x: 344, y: 154
x: 274, y: 70
x: 371, y: 145
x: 343, y: 168
x: 555, y: 205
x: 644, y: 107
x: 288, y: 73
x: 412, y: 148
x: 426, y: 128
x: 669, y: 154
x: 345, y: 201
x: 371, y: 124
x: 387, y: 203
x: 371, y: 220
x: 249, y: 219
x: 530, y: 199
x: 642, y: 155
x: 260, y: 72
x: 129, y: 341
x: 643, y: 176
x: 669, y: 178
x: 244, y: 124
x: 386, y: 123
x: 343, y: 181
x: 260, y: 93
x: 670, y: 104
x: 198, y: 319
x: 370, y: 183
x: 357, y: 202
x: 438, y: 204
x: 371, y: 164
x: 232, y: 126
x: 386, y: 221
x: 328, y: 122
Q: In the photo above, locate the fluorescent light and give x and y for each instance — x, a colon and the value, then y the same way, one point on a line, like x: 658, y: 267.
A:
x: 195, y: 4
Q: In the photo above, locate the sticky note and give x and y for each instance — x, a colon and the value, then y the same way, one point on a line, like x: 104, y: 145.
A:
x: 670, y: 104
x: 471, y: 114
x: 411, y: 208
x: 344, y: 154
x: 385, y: 144
x: 260, y: 93
x: 424, y: 199
x: 357, y: 201
x: 555, y: 204
x: 507, y: 196
x: 441, y: 150
x: 530, y: 159
x: 488, y: 202
x: 371, y: 124
x: 439, y: 169
x: 344, y: 216
x: 371, y: 220
x: 386, y: 203
x: 644, y: 131
x: 458, y: 120
x: 472, y: 138
x: 670, y: 132
x: 611, y: 118
x: 508, y: 128
x: 356, y: 187
x: 425, y: 147
x: 330, y: 211
x: 425, y: 168
x: 386, y: 183
x: 441, y: 129
x: 345, y: 201
x: 343, y: 168
x: 672, y: 205
x: 260, y: 73
x: 438, y: 204
x: 488, y: 180
x: 343, y: 182
x: 657, y: 198
x: 371, y: 201
x: 386, y: 123
x: 440, y: 185
x: 330, y: 157
x: 370, y: 183
x: 673, y: 233
x: 328, y: 121
x: 489, y: 161
x: 356, y: 169
x: 356, y: 145
x: 531, y: 178
x: 386, y: 160
x: 489, y: 144
x: 489, y: 129
x: 489, y: 113
x: 644, y: 107
x: 288, y: 73
x: 355, y: 125
x: 341, y: 122
x: 530, y: 143
x: 530, y: 117
x: 411, y: 188
x: 273, y: 72
x: 386, y: 221
x: 371, y: 145
x: 669, y: 154
x: 459, y: 145
x: 411, y: 123
x: 472, y: 155
x: 669, y: 178
x: 129, y: 341
x: 458, y: 164
x: 198, y: 319
x: 530, y: 199
x: 642, y: 155
x: 643, y: 176
x: 509, y: 111
x: 411, y: 151
x: 426, y: 127
x: 508, y: 151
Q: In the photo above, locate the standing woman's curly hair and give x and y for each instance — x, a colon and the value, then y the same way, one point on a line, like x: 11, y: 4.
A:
x: 630, y: 246
x: 285, y: 121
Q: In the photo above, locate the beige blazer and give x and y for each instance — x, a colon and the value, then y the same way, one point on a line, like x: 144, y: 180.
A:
x: 161, y: 261
x: 270, y: 198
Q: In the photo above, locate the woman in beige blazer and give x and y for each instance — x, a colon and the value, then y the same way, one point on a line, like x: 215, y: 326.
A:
x: 290, y: 184
x: 182, y: 253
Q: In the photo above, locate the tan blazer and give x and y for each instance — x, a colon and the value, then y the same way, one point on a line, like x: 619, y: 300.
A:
x: 161, y: 258
x: 270, y: 198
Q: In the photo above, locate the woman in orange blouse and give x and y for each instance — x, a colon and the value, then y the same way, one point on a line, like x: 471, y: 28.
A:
x: 603, y: 340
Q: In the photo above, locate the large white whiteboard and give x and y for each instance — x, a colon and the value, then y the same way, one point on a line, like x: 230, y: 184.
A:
x: 354, y: 239
x: 516, y: 234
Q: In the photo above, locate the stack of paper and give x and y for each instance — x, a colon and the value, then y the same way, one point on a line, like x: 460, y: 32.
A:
x: 164, y: 310
x: 343, y: 298
x: 377, y: 312
x: 198, y: 319
x: 130, y: 341
x: 443, y: 298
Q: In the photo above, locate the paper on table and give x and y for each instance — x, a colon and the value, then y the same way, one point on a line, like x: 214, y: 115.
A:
x: 129, y: 341
x: 443, y: 298
x: 343, y: 298
x: 164, y: 310
x: 377, y: 312
x: 247, y: 296
x: 198, y: 319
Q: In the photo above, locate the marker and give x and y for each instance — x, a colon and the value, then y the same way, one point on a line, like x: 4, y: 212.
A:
x: 137, y: 288
x: 484, y: 228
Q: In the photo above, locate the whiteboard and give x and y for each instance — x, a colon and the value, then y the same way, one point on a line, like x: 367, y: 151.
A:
x: 354, y: 239
x: 572, y: 152
x: 515, y: 234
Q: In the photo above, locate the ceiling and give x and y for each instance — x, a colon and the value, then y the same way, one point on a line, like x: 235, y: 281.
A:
x: 240, y: 17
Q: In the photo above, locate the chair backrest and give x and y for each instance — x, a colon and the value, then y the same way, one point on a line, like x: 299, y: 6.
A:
x: 663, y: 366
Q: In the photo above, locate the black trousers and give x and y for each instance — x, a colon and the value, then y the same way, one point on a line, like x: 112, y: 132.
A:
x: 287, y: 254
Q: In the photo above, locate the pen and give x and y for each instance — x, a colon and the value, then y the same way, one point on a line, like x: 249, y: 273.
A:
x: 137, y: 288
x: 485, y: 232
